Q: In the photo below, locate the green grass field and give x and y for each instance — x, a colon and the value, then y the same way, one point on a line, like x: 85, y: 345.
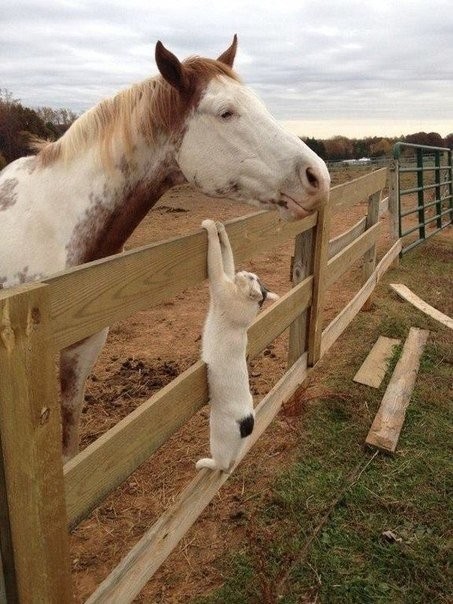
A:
x: 318, y: 536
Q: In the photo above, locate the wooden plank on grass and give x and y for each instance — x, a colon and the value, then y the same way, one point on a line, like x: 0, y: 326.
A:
x: 374, y: 367
x: 408, y: 295
x: 133, y: 572
x: 387, y: 424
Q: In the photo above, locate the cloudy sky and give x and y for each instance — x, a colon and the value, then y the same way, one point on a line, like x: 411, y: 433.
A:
x: 352, y: 67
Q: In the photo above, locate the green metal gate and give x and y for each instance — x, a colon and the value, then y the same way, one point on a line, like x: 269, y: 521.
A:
x: 424, y: 191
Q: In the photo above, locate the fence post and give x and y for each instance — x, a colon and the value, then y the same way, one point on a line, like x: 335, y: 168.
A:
x: 320, y: 258
x: 35, y: 524
x: 394, y: 226
x: 302, y: 268
x: 369, y: 259
x: 449, y: 179
x: 8, y: 591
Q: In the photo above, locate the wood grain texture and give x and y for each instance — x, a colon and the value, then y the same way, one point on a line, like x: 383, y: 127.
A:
x: 320, y: 284
x: 384, y: 206
x: 341, y: 241
x: 88, y: 298
x: 92, y: 474
x: 404, y: 292
x: 369, y: 258
x: 337, y: 244
x: 357, y: 190
x: 129, y: 577
x: 31, y: 449
x: 386, y: 427
x: 8, y: 587
x: 374, y: 367
x: 302, y: 268
x: 340, y: 263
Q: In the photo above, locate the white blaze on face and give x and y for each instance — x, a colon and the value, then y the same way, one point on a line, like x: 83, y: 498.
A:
x: 233, y: 147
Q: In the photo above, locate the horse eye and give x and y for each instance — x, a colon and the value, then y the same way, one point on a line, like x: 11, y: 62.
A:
x: 226, y: 115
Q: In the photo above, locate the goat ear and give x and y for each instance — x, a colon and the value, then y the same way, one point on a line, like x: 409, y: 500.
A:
x: 228, y: 56
x: 171, y: 68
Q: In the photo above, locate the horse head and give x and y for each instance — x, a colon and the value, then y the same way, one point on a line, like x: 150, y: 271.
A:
x: 229, y: 144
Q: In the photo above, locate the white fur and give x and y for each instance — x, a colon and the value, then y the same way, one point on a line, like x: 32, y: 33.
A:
x: 248, y: 155
x: 52, y: 200
x: 234, y: 303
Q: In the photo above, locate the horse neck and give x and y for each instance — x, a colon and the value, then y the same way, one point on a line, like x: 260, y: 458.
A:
x: 125, y: 191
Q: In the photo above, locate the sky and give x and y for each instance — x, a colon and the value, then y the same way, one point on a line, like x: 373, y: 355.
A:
x: 324, y: 68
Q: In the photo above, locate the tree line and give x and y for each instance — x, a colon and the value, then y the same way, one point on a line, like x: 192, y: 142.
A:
x: 340, y: 148
x: 17, y: 123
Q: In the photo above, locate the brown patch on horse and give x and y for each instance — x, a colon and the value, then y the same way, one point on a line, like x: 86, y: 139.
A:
x: 103, y: 231
x: 68, y: 421
x: 24, y: 276
x: 144, y: 109
x: 68, y: 384
x: 68, y: 375
x: 8, y: 193
x: 30, y: 164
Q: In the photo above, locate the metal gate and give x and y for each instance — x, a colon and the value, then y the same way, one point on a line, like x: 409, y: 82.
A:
x: 424, y: 189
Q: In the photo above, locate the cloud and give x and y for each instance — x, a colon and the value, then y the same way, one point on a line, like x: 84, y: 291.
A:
x: 345, y: 59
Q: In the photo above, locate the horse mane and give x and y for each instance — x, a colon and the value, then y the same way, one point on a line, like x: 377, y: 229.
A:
x: 145, y: 109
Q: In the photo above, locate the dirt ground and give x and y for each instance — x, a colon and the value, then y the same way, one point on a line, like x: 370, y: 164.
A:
x: 146, y: 352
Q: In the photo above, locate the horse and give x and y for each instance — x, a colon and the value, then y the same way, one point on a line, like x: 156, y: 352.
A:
x: 79, y: 198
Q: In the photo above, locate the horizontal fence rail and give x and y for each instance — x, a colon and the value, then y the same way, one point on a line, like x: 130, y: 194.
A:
x: 86, y: 299
x: 355, y: 191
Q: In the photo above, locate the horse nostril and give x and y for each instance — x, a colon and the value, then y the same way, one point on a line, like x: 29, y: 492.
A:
x: 312, y: 178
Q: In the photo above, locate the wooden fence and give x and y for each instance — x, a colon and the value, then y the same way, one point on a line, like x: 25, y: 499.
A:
x: 41, y: 499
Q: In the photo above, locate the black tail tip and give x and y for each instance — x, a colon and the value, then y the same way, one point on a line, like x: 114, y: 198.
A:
x: 246, y: 425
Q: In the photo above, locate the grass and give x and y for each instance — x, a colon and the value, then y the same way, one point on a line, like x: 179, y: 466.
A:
x: 319, y: 535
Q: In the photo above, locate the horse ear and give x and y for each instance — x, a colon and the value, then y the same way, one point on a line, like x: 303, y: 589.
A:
x: 227, y: 57
x: 170, y: 67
